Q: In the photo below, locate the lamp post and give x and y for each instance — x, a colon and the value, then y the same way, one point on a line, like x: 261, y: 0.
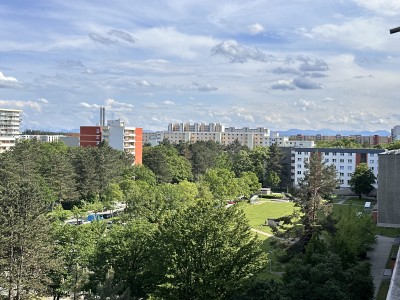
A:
x: 394, y: 30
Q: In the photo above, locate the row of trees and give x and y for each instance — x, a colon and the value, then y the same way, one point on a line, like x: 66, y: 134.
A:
x: 189, y: 161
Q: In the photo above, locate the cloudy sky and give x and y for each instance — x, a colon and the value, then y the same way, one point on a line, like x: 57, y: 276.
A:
x: 307, y: 64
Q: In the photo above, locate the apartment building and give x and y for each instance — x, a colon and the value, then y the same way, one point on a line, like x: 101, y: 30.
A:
x: 118, y: 136
x: 250, y: 137
x: 9, y: 128
x: 371, y: 140
x: 345, y: 161
x: 45, y: 138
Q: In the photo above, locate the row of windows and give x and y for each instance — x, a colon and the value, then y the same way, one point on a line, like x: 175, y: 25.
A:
x: 335, y: 153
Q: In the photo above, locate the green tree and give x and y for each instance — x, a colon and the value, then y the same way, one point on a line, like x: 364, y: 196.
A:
x: 205, y: 252
x: 274, y: 166
x: 242, y: 162
x: 259, y: 157
x: 57, y: 169
x: 25, y: 246
x: 319, y: 180
x: 222, y: 183
x: 127, y: 250
x: 203, y: 156
x: 362, y: 180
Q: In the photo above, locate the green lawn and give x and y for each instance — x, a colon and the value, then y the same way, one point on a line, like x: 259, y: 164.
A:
x: 258, y: 213
x: 357, y: 201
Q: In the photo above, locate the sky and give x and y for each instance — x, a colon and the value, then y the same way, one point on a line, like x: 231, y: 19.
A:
x: 306, y: 64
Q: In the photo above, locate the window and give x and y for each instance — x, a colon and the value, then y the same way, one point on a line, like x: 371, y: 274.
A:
x: 326, y: 153
x: 334, y: 160
x: 350, y: 154
x: 341, y: 174
x: 348, y: 182
x: 334, y: 153
x: 341, y: 168
x: 349, y: 174
x: 298, y: 172
x: 299, y: 166
x: 341, y: 154
x: 350, y: 160
x: 306, y: 159
x: 299, y: 159
x: 341, y: 181
x: 305, y: 153
x: 372, y: 168
x: 371, y: 154
x: 326, y: 159
x: 299, y: 152
x: 349, y: 168
x: 341, y: 160
x: 371, y: 161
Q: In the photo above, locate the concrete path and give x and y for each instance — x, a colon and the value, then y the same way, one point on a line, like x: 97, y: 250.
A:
x: 262, y: 232
x: 378, y: 257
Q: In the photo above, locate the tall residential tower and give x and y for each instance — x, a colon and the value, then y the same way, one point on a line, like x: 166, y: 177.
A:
x: 9, y: 128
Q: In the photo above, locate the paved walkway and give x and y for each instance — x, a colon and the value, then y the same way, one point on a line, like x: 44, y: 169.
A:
x: 262, y: 232
x: 378, y: 257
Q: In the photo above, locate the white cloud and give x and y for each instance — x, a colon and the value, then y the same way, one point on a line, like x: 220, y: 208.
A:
x: 283, y: 85
x: 256, y: 29
x: 237, y: 53
x: 169, y: 102
x: 21, y: 104
x: 7, y: 81
x: 87, y: 105
x: 384, y: 7
x: 111, y: 103
x: 359, y: 33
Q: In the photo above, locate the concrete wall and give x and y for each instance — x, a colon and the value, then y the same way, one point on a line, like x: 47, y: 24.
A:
x: 389, y: 189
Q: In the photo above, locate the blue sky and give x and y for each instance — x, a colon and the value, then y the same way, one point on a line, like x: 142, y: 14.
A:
x: 307, y: 64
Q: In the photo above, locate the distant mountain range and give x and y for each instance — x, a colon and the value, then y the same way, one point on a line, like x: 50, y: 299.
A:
x: 331, y: 132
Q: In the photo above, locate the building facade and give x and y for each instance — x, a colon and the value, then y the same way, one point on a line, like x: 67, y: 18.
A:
x: 250, y: 137
x: 117, y: 135
x: 345, y: 161
x: 389, y: 189
x: 10, y: 122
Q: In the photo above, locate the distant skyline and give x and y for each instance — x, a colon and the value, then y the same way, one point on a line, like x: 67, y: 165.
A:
x: 306, y: 64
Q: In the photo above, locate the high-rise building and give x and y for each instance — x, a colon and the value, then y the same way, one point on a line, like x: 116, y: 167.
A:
x: 9, y: 128
x: 117, y: 135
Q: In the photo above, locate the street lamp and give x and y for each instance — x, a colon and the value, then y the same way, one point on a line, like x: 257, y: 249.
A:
x: 394, y: 30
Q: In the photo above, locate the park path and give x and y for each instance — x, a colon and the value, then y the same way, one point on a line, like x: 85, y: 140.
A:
x: 378, y: 257
x: 262, y: 232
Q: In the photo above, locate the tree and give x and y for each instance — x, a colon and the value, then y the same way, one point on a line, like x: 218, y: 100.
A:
x: 319, y: 180
x: 362, y: 180
x: 203, y: 156
x: 126, y: 249
x: 25, y: 246
x: 274, y: 165
x: 259, y: 157
x: 222, y: 184
x: 205, y: 252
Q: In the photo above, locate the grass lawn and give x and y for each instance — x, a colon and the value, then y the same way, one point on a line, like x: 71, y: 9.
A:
x: 258, y: 213
x: 383, y: 290
x: 357, y: 201
x: 387, y: 231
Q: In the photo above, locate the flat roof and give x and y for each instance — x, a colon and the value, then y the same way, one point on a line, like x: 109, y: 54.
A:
x: 340, y: 150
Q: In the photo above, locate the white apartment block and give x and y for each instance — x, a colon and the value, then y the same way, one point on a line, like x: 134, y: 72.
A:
x: 250, y: 137
x: 345, y: 161
x: 42, y: 137
x: 9, y: 128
